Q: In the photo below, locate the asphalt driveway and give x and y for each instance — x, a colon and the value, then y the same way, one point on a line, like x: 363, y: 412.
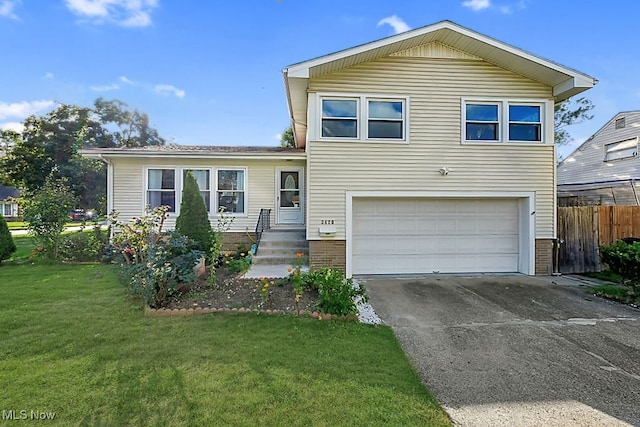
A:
x: 516, y: 350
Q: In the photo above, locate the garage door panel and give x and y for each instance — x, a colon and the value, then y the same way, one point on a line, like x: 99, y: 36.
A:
x: 395, y: 236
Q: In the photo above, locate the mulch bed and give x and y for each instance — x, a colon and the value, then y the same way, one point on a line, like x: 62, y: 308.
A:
x: 235, y: 292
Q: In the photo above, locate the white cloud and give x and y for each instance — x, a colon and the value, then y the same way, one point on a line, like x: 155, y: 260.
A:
x: 477, y: 5
x: 105, y: 88
x: 127, y: 13
x: 278, y: 136
x: 49, y: 76
x: 23, y: 109
x: 14, y: 126
x: 398, y: 25
x: 169, y: 90
x: 123, y: 79
x: 6, y: 8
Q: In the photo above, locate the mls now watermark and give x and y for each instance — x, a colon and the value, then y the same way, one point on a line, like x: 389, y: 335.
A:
x: 23, y: 414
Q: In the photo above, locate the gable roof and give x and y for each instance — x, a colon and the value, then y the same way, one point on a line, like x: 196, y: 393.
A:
x: 565, y: 81
x: 587, y: 165
x: 8, y: 192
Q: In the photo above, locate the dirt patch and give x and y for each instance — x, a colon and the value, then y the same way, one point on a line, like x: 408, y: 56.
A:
x: 230, y: 291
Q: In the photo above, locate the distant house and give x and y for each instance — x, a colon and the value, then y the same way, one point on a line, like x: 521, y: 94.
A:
x: 605, y: 169
x: 9, y: 203
x: 428, y: 151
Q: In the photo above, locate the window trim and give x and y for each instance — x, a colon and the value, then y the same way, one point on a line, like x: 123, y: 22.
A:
x: 362, y: 118
x: 245, y: 192
x: 357, y: 117
x: 176, y: 186
x: 183, y: 171
x: 499, y: 126
x: 504, y: 122
x: 607, y: 151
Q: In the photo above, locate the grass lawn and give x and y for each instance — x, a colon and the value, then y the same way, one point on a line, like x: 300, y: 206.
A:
x: 614, y: 290
x: 75, y: 344
x: 21, y: 225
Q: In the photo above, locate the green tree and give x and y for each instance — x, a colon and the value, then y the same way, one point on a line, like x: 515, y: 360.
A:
x: 46, y: 210
x: 49, y: 145
x: 287, y: 140
x: 570, y: 112
x: 193, y: 220
x: 130, y: 127
x: 7, y: 245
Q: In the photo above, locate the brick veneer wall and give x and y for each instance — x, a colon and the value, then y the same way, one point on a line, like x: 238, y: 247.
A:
x: 233, y: 239
x: 328, y: 253
x: 544, y: 256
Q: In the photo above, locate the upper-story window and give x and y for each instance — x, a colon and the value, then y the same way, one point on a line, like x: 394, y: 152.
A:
x: 502, y: 121
x: 482, y: 122
x: 525, y: 123
x: 161, y: 188
x: 385, y: 119
x: 621, y: 150
x: 339, y: 118
x: 363, y: 118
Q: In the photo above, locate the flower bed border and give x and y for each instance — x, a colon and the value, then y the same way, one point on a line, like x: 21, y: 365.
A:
x: 181, y: 312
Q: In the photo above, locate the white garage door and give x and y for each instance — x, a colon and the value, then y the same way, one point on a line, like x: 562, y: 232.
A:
x: 396, y: 236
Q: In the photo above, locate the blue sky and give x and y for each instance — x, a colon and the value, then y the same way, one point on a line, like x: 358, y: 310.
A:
x: 209, y: 72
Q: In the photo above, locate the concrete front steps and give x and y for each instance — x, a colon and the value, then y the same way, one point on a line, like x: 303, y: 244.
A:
x: 280, y: 246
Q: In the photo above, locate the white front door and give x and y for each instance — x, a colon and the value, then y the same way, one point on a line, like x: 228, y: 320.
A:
x: 289, y: 200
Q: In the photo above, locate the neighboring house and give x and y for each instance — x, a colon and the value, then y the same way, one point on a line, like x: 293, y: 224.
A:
x: 605, y: 169
x: 9, y: 203
x: 428, y: 151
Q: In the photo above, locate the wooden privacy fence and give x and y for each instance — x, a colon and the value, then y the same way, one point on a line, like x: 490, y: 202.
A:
x: 582, y: 230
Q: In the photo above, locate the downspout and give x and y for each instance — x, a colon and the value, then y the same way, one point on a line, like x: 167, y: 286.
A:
x: 109, y: 182
x: 109, y: 189
x: 635, y: 194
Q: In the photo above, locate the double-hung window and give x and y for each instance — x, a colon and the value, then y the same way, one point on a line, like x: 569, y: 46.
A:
x: 363, y: 118
x: 502, y: 121
x: 161, y: 188
x: 385, y: 119
x: 202, y: 179
x: 231, y: 191
x: 340, y: 118
x: 482, y: 122
x: 7, y: 210
x: 525, y: 123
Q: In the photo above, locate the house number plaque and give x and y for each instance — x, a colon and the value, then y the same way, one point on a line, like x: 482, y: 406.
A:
x: 326, y: 222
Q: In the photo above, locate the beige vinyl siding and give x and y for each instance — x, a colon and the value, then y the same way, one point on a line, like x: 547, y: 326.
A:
x: 587, y: 165
x: 129, y: 185
x: 435, y: 88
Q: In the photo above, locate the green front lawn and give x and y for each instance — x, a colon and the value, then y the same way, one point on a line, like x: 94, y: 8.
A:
x: 74, y: 343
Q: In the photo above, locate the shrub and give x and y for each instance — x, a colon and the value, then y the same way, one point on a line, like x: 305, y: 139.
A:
x: 624, y: 259
x: 155, y: 262
x: 193, y: 220
x: 217, y: 241
x: 7, y: 245
x: 336, y: 295
x: 84, y: 245
x: 47, y: 211
x: 170, y: 263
